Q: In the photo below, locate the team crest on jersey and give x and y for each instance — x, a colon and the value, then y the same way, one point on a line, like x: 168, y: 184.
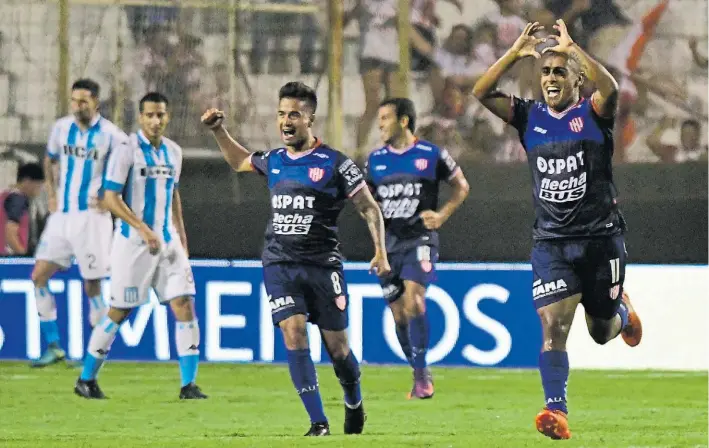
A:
x: 316, y: 174
x: 614, y: 291
x: 421, y: 164
x: 576, y: 124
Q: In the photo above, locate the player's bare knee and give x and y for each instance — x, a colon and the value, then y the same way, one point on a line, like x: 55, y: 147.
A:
x: 295, y: 333
x: 414, y: 298
x: 398, y: 311
x: 92, y: 287
x: 118, y: 315
x: 337, y: 344
x: 183, y: 308
x: 41, y: 274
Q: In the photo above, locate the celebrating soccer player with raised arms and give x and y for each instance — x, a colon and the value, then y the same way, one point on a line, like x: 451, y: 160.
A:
x: 149, y: 245
x: 404, y: 176
x: 302, y: 264
x: 579, y: 251
x: 78, y: 226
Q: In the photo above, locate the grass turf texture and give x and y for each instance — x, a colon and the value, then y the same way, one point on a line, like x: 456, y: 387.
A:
x: 256, y: 405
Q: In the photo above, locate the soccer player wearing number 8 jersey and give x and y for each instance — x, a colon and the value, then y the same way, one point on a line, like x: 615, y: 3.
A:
x: 149, y: 245
x: 309, y: 182
x: 404, y: 176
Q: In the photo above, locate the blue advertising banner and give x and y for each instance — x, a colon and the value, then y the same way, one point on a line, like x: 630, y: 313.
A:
x: 479, y: 314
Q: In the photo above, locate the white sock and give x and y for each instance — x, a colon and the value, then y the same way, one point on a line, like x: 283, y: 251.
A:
x: 187, y: 342
x: 102, y: 337
x: 100, y: 343
x: 97, y: 309
x: 46, y: 305
x: 187, y: 338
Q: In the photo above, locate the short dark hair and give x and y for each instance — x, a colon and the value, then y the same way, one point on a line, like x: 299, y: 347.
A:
x: 152, y: 97
x: 31, y: 171
x: 299, y: 91
x: 692, y: 122
x: 404, y: 107
x: 87, y: 84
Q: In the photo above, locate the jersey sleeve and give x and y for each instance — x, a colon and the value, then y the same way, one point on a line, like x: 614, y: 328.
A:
x: 15, y: 206
x: 259, y: 161
x: 349, y: 177
x: 519, y: 112
x: 53, y: 144
x: 119, y: 164
x: 447, y: 166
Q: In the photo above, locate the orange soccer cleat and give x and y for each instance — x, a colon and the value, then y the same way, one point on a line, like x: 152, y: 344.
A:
x: 633, y: 332
x: 553, y: 424
x: 423, y: 385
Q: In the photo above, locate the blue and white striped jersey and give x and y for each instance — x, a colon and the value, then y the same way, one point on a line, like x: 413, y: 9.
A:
x: 82, y: 159
x: 146, y: 177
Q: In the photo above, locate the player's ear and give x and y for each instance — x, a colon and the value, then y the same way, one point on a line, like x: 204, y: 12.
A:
x: 311, y: 120
x: 404, y: 121
x: 580, y: 79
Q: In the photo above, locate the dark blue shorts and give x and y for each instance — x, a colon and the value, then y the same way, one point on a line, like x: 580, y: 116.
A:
x: 417, y: 264
x: 317, y: 292
x: 593, y: 267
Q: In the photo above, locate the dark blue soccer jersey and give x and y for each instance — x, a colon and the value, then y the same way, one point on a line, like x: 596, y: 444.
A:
x: 405, y: 183
x: 569, y: 156
x: 307, y: 196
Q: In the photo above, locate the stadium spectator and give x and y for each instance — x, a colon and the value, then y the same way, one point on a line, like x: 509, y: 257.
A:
x: 279, y: 27
x: 689, y: 148
x: 378, y: 57
x: 425, y: 21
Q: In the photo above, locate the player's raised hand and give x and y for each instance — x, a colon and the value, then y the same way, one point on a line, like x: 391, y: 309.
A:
x: 150, y: 238
x: 526, y: 43
x: 380, y: 264
x: 564, y: 41
x: 213, y: 118
x: 432, y: 220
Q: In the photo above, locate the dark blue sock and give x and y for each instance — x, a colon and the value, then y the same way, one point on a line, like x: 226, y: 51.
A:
x: 623, y: 313
x: 347, y: 371
x: 554, y: 368
x: 305, y: 380
x: 402, y: 334
x: 418, y: 334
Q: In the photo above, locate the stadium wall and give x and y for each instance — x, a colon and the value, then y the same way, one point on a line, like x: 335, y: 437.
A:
x: 481, y: 315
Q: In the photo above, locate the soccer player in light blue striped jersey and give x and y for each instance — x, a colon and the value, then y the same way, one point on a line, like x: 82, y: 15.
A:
x: 78, y: 226
x: 149, y: 247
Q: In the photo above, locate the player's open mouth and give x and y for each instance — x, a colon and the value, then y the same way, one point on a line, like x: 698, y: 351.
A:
x: 553, y: 92
x: 288, y: 132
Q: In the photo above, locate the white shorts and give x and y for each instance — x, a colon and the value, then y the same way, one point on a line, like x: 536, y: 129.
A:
x: 134, y: 271
x: 84, y: 235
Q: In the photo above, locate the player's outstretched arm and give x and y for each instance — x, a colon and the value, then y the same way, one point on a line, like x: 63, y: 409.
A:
x: 369, y: 210
x: 605, y: 97
x: 236, y: 155
x: 178, y: 219
x: 524, y: 46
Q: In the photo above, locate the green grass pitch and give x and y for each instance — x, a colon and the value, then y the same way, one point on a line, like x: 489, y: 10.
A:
x: 256, y: 406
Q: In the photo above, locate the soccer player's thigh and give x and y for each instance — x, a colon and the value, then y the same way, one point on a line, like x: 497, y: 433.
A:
x: 418, y: 271
x: 54, y: 247
x: 556, y: 290
x: 327, y: 298
x: 132, y: 272
x: 174, y: 279
x: 603, y: 277
x: 289, y: 311
x: 91, y: 242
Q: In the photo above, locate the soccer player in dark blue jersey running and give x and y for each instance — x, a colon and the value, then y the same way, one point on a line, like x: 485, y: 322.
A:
x: 404, y: 176
x: 579, y: 251
x: 302, y: 263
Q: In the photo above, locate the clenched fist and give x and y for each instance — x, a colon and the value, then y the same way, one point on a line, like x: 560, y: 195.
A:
x: 213, y: 118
